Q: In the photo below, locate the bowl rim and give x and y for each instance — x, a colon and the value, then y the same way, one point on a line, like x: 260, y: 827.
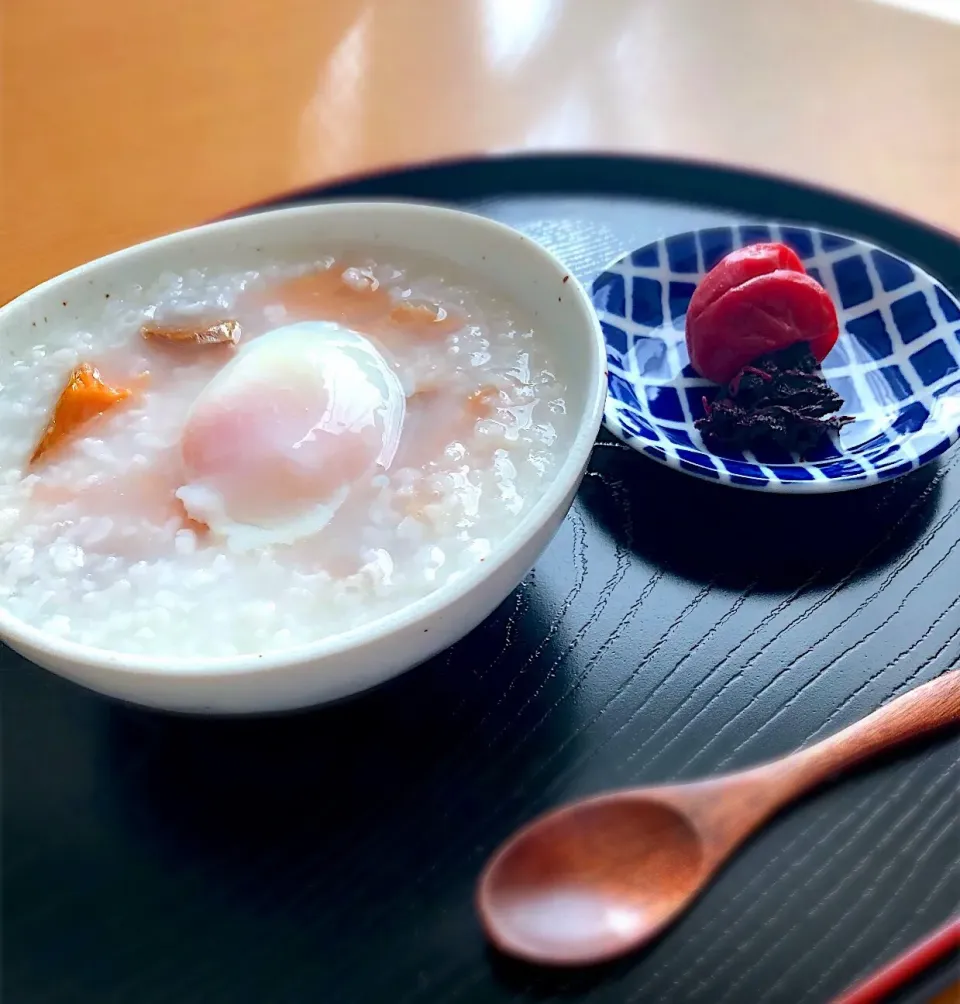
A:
x: 16, y: 632
x: 774, y: 485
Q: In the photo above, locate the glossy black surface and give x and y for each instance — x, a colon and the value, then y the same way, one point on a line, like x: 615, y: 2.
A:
x: 673, y: 629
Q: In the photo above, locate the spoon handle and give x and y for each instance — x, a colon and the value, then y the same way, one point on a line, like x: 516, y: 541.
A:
x: 928, y: 707
x: 742, y: 801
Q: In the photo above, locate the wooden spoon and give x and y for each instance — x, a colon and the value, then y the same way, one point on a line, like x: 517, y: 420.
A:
x: 597, y: 878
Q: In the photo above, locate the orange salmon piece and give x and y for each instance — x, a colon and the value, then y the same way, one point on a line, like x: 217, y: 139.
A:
x: 219, y: 333
x: 84, y: 397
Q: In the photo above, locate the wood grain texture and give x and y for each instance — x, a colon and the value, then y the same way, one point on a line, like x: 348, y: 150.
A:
x: 672, y: 630
x: 124, y: 120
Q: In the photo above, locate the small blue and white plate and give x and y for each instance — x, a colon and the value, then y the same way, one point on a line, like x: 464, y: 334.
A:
x: 896, y: 363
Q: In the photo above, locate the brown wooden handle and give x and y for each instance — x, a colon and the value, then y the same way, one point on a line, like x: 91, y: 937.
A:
x: 728, y: 807
x: 725, y: 809
x: 928, y: 707
x: 740, y: 802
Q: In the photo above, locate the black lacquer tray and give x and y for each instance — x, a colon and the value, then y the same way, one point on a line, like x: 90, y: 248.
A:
x: 673, y: 629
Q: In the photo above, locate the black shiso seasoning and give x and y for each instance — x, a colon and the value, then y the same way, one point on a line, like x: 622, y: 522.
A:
x: 781, y: 398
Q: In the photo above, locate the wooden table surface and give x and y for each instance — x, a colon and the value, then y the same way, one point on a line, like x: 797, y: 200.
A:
x: 124, y: 120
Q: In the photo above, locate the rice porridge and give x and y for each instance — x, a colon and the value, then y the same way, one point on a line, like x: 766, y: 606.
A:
x: 233, y: 463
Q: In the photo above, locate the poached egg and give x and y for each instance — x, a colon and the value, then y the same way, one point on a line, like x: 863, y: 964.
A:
x: 283, y: 435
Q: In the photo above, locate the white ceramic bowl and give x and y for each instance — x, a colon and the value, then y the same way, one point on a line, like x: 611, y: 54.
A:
x: 360, y: 658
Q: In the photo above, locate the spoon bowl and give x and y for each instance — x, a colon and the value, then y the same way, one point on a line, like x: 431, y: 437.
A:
x: 590, y: 881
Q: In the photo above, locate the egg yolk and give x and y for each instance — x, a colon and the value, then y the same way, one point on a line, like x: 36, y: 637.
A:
x: 281, y: 436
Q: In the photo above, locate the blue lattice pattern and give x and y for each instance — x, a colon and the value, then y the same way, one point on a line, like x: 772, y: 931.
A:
x: 896, y: 363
